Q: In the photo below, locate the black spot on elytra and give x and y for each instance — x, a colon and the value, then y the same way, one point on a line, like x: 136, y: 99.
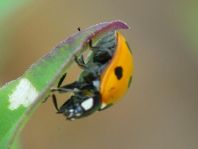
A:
x: 118, y: 72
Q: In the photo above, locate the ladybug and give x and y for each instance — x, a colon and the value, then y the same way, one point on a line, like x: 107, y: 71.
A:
x: 106, y: 75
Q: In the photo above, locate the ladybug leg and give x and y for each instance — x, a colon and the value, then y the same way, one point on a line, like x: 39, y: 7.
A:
x: 98, y: 48
x: 76, y: 86
x: 61, y: 80
x: 73, y: 87
x: 66, y: 88
x: 45, y: 99
x: 59, y: 84
x: 80, y: 61
x: 55, y: 103
x: 91, y: 45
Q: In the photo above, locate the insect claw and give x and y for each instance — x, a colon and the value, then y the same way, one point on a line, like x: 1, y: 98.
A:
x: 54, y: 89
x: 79, y: 29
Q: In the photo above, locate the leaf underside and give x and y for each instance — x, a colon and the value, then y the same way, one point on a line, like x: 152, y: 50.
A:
x: 19, y: 98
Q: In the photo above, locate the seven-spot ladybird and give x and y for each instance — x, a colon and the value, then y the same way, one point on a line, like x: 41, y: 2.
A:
x: 105, y: 78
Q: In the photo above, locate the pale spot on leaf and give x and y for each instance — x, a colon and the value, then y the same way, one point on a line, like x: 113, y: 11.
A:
x: 24, y: 94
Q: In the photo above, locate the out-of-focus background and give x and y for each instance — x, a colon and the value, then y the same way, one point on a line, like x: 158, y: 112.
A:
x: 160, y: 109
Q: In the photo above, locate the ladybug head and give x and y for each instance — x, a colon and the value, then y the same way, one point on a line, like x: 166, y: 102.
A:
x: 80, y: 106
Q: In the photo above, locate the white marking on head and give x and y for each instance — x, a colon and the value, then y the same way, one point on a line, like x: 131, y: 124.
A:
x: 71, y: 110
x: 96, y: 83
x: 24, y: 94
x: 87, y: 104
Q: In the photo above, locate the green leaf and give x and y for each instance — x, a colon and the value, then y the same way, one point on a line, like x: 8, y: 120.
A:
x: 19, y: 98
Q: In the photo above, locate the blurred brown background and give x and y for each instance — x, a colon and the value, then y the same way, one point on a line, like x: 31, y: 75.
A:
x: 160, y: 109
